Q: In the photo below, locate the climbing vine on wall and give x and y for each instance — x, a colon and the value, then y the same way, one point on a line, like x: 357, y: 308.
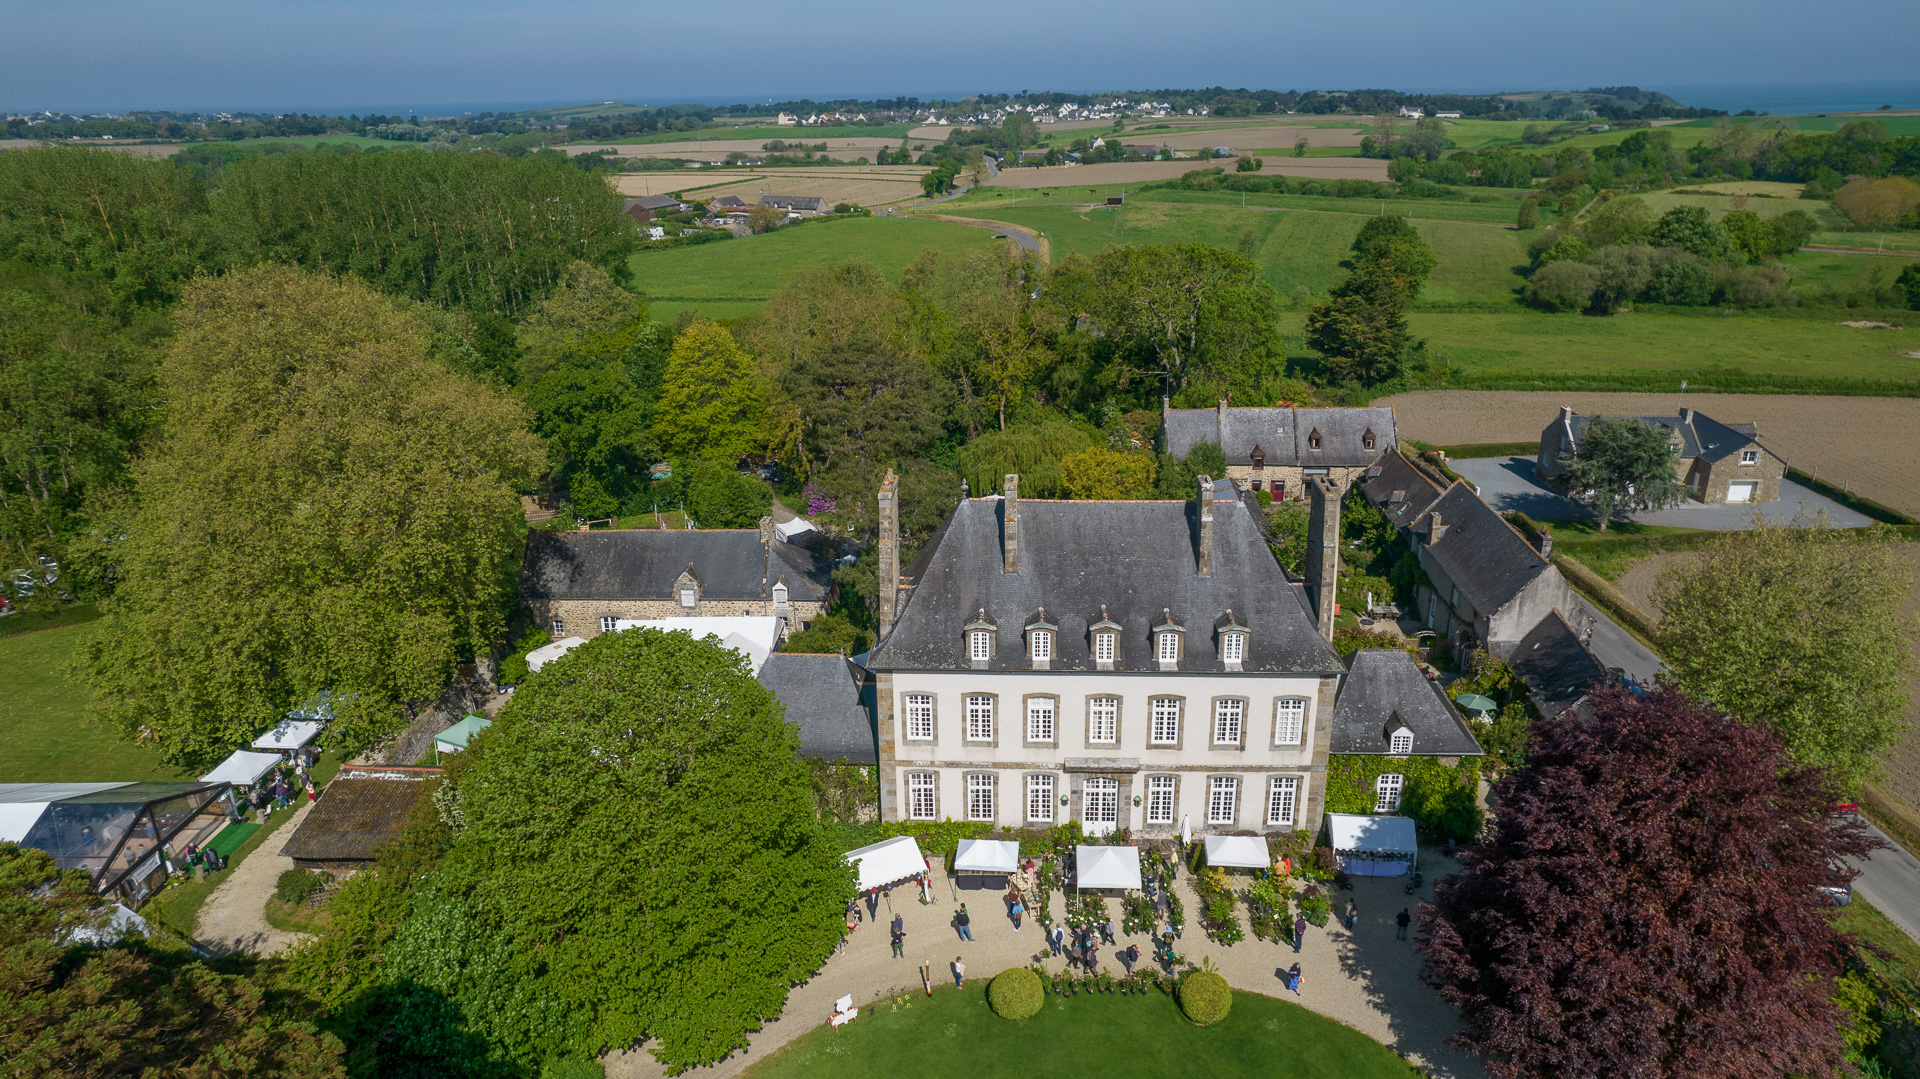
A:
x: 1439, y: 797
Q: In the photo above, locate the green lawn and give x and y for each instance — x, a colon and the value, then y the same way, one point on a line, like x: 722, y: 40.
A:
x: 954, y: 1035
x: 1613, y: 552
x: 734, y: 277
x: 1718, y: 205
x: 44, y: 735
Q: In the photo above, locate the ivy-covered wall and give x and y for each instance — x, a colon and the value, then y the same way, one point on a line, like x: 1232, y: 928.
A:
x: 1441, y: 798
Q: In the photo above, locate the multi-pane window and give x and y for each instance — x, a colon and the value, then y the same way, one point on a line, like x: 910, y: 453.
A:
x: 1040, y: 719
x: 1233, y: 647
x: 1289, y: 721
x: 688, y: 597
x: 779, y: 595
x: 919, y: 712
x: 1103, y: 647
x: 1167, y: 646
x: 980, y: 796
x: 1100, y: 803
x: 1040, y: 797
x: 1749, y: 457
x: 608, y: 623
x: 980, y: 718
x: 1103, y: 720
x: 1401, y: 744
x: 1386, y: 792
x: 1223, y: 796
x: 1160, y: 799
x: 1228, y: 716
x: 920, y: 802
x: 1282, y: 793
x: 1042, y: 644
x: 978, y: 645
x: 1166, y: 721
x: 559, y: 627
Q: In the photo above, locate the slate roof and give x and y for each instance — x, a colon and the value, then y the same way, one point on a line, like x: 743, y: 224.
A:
x: 732, y: 564
x: 1700, y: 436
x: 830, y: 700
x: 1283, y: 435
x: 1479, y: 551
x: 1400, y: 490
x: 1386, y: 690
x: 794, y: 202
x: 354, y: 817
x: 726, y: 202
x: 1555, y: 666
x: 655, y: 202
x: 1135, y: 558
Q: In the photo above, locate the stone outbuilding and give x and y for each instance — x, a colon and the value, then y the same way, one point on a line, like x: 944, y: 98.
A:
x: 1279, y: 449
x: 1721, y: 462
x: 1486, y: 585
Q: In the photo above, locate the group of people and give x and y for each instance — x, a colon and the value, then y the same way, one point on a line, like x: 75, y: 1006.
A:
x: 281, y: 791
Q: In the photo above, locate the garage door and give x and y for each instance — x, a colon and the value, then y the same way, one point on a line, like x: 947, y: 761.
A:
x: 1740, y: 491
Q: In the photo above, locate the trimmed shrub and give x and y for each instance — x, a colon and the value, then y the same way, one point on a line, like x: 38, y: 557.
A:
x: 299, y: 885
x: 1205, y: 997
x: 1016, y: 994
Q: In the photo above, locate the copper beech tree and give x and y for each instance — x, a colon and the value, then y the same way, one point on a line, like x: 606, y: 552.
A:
x: 1648, y: 903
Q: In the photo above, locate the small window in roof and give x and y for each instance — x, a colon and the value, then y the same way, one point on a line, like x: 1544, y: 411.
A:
x: 1367, y: 438
x: 1313, y: 439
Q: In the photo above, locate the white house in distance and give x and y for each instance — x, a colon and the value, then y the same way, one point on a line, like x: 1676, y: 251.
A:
x: 1123, y: 664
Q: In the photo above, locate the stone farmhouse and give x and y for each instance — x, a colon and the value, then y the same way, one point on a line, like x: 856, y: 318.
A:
x: 1722, y: 462
x: 580, y: 584
x: 1279, y: 449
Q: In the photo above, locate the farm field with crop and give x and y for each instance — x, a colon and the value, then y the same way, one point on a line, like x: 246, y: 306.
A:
x: 1140, y: 172
x: 866, y: 185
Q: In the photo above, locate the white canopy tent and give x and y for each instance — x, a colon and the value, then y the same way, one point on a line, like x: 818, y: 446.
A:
x: 753, y: 636
x: 289, y: 734
x: 789, y: 529
x: 1001, y: 856
x: 1368, y: 846
x: 243, y: 769
x: 1238, y: 852
x: 547, y: 653
x: 1106, y: 867
x: 889, y: 861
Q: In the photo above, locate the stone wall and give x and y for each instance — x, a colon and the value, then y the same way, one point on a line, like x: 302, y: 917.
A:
x: 581, y: 617
x: 417, y: 740
x: 1293, y: 478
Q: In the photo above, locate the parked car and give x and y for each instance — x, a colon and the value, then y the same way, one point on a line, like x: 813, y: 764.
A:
x: 1839, y: 895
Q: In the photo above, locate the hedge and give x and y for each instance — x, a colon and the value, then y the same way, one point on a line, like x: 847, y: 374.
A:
x: 1015, y: 994
x: 1440, y: 798
x: 1205, y: 997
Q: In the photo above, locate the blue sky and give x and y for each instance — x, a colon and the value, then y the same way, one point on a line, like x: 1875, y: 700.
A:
x: 84, y: 55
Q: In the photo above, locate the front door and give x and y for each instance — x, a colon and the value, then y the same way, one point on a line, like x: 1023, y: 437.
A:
x: 1100, y: 806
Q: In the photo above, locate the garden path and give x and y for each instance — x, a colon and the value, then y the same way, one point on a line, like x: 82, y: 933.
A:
x: 234, y: 917
x: 1363, y: 978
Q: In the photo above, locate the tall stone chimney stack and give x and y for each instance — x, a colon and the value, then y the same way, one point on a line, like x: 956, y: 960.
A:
x: 1203, y: 549
x: 889, y: 551
x: 1323, y: 549
x: 1010, y: 527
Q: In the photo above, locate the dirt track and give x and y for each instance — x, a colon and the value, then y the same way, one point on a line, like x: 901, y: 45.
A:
x: 1807, y: 431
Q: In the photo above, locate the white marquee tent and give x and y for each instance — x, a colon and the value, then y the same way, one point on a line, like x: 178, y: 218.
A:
x: 1238, y: 852
x: 243, y: 769
x: 289, y: 734
x: 753, y: 636
x: 1106, y: 867
x: 1001, y: 856
x: 1367, y: 846
x: 889, y: 861
x: 789, y: 529
x: 547, y: 653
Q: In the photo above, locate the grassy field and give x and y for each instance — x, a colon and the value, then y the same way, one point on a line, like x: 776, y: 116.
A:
x: 734, y: 277
x: 1500, y: 206
x: 788, y: 134
x: 43, y: 732
x: 954, y: 1035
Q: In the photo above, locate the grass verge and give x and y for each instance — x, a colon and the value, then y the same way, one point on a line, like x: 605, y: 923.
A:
x: 72, y: 614
x: 177, y: 906
x: 298, y: 917
x: 1601, y: 593
x: 1613, y: 552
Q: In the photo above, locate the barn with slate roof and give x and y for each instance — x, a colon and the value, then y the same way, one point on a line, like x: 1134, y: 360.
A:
x: 1277, y: 449
x: 1487, y: 587
x: 1556, y: 666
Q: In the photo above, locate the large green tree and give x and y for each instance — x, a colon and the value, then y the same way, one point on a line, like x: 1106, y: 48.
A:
x: 1620, y: 466
x: 711, y: 400
x: 1798, y: 628
x: 1360, y: 330
x: 324, y: 508
x: 1198, y: 311
x: 636, y: 858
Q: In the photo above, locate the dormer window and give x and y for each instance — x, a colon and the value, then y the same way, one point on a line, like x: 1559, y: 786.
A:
x: 1259, y: 459
x: 1313, y: 439
x: 1103, y: 647
x: 780, y: 594
x: 689, y: 598
x: 1105, y: 637
x: 979, y: 645
x: 1167, y: 646
x: 1040, y: 645
x: 1233, y: 646
x: 1400, y: 743
x: 1366, y: 439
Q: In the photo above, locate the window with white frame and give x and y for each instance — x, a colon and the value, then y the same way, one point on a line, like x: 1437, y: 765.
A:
x: 1040, y: 719
x: 1160, y: 799
x: 1103, y: 720
x: 919, y: 712
x: 1401, y: 743
x: 980, y: 796
x: 1282, y: 794
x: 1166, y: 721
x: 1749, y: 457
x: 1040, y: 642
x: 1233, y: 647
x: 609, y: 623
x: 689, y: 597
x: 980, y: 718
x: 979, y: 645
x: 1103, y: 647
x: 779, y: 595
x: 1100, y: 803
x: 1289, y: 721
x: 1167, y: 647
x: 1223, y: 797
x: 1229, y: 715
x: 920, y: 800
x: 559, y: 627
x: 1040, y: 797
x: 1386, y: 792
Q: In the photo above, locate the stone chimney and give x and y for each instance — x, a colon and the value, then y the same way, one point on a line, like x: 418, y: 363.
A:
x: 1436, y: 531
x: 889, y: 570
x: 766, y: 532
x: 1010, y: 521
x: 1323, y: 549
x: 1220, y: 425
x: 1203, y: 546
x: 1546, y: 544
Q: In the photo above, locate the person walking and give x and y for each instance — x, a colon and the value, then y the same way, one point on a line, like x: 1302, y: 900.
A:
x: 312, y: 795
x: 1402, y: 920
x: 1093, y: 956
x: 899, y: 937
x: 1353, y: 915
x: 1128, y: 957
x: 964, y: 923
x: 1299, y: 932
x: 959, y: 973
x: 1106, y: 931
x: 1057, y: 939
x: 1294, y: 978
x: 1017, y: 911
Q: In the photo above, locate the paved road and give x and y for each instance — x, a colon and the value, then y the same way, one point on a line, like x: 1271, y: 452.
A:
x: 1890, y: 880
x: 1025, y: 242
x: 1508, y: 483
x: 1615, y: 647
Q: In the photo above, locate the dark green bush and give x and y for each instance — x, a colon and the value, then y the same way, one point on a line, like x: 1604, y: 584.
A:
x: 299, y: 885
x: 1015, y: 994
x: 1205, y: 997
